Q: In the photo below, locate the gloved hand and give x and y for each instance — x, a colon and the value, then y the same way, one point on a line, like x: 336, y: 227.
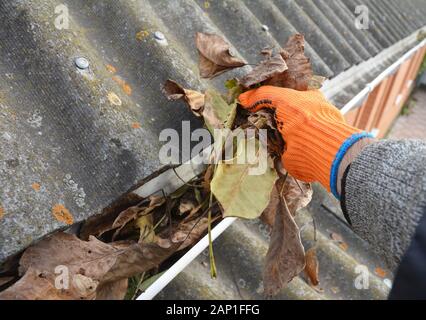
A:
x: 315, y: 132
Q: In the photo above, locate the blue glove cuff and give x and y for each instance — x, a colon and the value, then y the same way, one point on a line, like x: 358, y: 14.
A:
x: 349, y: 142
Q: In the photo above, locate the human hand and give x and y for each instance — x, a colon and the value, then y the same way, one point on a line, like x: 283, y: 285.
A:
x: 315, y: 132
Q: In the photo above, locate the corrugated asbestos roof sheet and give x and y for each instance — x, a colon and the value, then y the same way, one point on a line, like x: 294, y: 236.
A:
x: 83, y: 138
x: 240, y: 252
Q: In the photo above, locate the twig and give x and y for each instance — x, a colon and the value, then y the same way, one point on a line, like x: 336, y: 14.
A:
x: 314, y: 223
x: 168, y: 211
x: 300, y: 187
x: 213, y: 270
x: 138, y: 286
x: 186, y: 183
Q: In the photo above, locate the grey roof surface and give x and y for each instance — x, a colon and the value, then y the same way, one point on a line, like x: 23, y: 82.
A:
x: 239, y: 253
x: 67, y: 139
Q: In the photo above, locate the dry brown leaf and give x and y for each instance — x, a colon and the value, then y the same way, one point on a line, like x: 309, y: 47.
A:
x: 286, y: 256
x: 191, y: 231
x: 99, y: 224
x: 115, y: 290
x: 266, y: 52
x: 264, y: 71
x: 299, y: 71
x: 207, y: 178
x: 268, y: 216
x: 35, y: 286
x: 262, y: 120
x: 125, y: 217
x: 5, y: 280
x: 194, y: 99
x: 93, y: 258
x: 297, y: 194
x: 154, y: 202
x: 91, y: 264
x: 216, y: 55
x: 295, y: 198
x: 142, y: 215
x: 192, y: 213
x: 84, y: 287
x: 186, y: 205
x: 312, y: 266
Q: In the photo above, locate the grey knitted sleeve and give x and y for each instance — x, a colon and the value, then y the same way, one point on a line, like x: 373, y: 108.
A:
x: 385, y: 195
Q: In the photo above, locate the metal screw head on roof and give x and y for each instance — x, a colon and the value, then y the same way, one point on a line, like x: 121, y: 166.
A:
x: 81, y: 63
x: 159, y: 35
x: 265, y: 27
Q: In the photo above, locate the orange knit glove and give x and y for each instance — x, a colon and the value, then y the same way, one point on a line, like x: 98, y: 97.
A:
x: 315, y: 132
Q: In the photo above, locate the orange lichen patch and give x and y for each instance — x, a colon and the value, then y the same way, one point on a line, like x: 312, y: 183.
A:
x: 380, y: 272
x: 344, y: 246
x: 114, y: 99
x: 142, y: 35
x: 123, y: 84
x: 136, y: 125
x: 36, y: 186
x: 62, y: 214
x: 127, y: 89
x: 1, y: 212
x: 111, y: 68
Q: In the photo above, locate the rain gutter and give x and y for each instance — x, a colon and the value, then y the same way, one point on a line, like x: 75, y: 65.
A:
x: 168, y: 182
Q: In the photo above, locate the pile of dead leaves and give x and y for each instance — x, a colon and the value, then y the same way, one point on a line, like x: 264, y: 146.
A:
x: 273, y: 196
x: 136, y: 240
x: 119, y: 246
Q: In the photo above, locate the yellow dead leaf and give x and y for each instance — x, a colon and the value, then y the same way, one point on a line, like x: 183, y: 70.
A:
x: 240, y: 192
x: 145, y: 225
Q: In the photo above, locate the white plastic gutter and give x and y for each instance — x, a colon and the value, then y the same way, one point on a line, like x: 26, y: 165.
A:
x: 201, y: 245
x: 175, y: 269
x: 355, y: 101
